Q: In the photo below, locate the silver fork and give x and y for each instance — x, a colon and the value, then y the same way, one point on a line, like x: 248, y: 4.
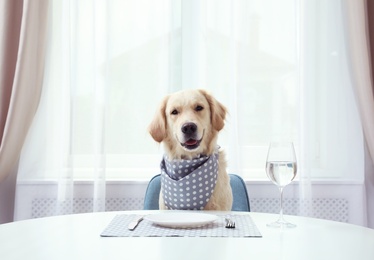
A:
x: 229, y: 223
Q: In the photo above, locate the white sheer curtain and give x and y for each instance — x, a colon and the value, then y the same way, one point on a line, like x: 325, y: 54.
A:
x: 279, y: 67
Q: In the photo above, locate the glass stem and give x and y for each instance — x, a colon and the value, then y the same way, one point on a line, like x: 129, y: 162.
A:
x: 281, y: 204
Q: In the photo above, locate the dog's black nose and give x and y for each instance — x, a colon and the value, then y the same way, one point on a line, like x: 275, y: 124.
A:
x: 189, y: 128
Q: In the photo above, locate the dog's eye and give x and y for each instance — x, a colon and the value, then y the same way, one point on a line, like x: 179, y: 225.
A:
x: 199, y: 108
x: 174, y: 112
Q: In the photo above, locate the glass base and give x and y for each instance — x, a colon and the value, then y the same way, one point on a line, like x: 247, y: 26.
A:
x: 281, y: 224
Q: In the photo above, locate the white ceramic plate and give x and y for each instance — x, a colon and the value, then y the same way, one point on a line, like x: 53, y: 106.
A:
x: 181, y: 220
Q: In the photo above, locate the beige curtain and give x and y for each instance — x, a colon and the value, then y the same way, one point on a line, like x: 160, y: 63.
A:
x: 370, y: 13
x: 22, y: 46
x: 369, y: 177
x: 359, y: 16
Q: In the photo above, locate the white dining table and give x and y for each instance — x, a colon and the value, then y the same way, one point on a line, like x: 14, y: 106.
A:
x: 78, y: 237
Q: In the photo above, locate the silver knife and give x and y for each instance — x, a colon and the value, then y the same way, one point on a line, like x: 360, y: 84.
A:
x: 133, y: 224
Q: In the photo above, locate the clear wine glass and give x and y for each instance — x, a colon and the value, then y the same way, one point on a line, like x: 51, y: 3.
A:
x: 281, y: 169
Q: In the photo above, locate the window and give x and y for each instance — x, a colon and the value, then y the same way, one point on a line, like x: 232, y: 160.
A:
x: 281, y: 71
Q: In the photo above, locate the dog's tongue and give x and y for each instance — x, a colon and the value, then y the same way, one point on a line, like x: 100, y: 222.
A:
x: 191, y: 142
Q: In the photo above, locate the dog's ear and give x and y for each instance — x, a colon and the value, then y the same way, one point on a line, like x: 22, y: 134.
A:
x: 217, y: 110
x: 157, y: 128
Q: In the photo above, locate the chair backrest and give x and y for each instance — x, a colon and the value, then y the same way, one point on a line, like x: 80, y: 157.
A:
x: 152, y: 193
x: 239, y: 192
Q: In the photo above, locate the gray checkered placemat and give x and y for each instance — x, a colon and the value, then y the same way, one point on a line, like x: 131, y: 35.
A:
x: 244, y: 227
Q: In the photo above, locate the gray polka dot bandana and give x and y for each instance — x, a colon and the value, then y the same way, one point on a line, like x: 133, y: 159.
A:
x: 188, y: 184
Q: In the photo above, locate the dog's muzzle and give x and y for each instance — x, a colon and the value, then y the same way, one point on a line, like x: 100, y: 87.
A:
x: 189, y: 131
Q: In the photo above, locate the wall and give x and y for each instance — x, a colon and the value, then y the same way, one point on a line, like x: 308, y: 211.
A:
x: 339, y: 201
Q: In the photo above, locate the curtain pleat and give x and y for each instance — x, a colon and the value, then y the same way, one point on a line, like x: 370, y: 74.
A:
x: 369, y: 169
x: 21, y: 82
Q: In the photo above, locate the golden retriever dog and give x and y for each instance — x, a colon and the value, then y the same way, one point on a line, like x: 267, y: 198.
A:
x: 187, y: 124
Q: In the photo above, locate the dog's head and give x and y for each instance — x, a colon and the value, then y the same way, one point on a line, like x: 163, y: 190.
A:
x: 187, y: 122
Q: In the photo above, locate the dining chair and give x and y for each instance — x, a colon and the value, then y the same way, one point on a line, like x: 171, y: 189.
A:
x: 239, y: 192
